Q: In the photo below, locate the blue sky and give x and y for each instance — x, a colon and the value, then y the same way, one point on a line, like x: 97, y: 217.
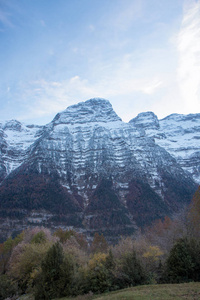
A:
x: 141, y: 55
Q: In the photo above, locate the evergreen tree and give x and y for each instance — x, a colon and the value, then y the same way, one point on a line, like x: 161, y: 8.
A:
x: 56, y: 276
x: 98, y: 279
x: 180, y: 264
x: 129, y: 271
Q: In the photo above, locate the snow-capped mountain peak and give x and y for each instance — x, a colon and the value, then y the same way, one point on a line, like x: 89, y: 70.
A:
x: 93, y: 110
x: 146, y: 120
x: 178, y: 134
x: 87, y: 168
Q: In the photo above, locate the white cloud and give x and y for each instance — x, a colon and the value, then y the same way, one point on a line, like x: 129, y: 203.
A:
x: 45, y: 98
x: 152, y: 75
x: 189, y: 57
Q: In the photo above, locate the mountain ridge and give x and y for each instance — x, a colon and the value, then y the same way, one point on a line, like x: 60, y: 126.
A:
x: 89, y: 169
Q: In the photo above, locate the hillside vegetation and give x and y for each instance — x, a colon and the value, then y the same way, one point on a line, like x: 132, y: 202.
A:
x: 59, y: 264
x: 186, y: 291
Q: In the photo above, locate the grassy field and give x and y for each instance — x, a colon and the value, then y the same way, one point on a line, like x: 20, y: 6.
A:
x: 184, y: 291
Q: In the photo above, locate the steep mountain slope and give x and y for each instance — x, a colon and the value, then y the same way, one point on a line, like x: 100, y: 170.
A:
x: 89, y: 169
x: 15, y: 139
x: 178, y: 134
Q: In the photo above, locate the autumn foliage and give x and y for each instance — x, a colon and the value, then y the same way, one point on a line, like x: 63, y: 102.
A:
x: 65, y: 263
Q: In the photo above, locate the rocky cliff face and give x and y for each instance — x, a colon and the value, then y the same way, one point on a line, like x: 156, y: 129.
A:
x: 89, y: 169
x: 15, y: 140
x: 178, y: 134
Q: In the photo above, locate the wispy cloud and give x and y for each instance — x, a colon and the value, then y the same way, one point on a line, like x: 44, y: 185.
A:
x: 188, y: 44
x: 46, y: 98
x: 5, y: 19
x: 126, y: 14
x: 125, y: 53
x: 8, y: 9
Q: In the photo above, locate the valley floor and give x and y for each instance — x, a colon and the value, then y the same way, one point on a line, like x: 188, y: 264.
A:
x: 184, y: 291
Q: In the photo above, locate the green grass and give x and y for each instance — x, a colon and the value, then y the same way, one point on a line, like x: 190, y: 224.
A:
x: 184, y: 291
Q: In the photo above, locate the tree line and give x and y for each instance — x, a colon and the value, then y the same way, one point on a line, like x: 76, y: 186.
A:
x: 63, y: 263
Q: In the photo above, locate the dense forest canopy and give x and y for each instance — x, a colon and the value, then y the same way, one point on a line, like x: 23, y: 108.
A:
x: 64, y: 263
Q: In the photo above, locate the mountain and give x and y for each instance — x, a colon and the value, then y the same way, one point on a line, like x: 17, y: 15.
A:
x: 178, y: 134
x: 90, y: 170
